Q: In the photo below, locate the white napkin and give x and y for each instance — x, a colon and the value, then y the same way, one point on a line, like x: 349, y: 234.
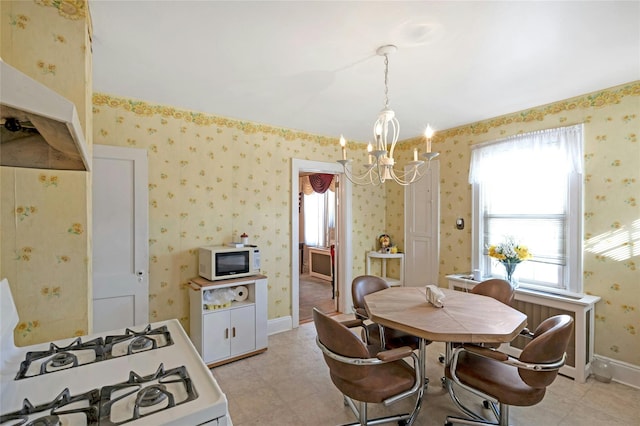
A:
x: 435, y: 296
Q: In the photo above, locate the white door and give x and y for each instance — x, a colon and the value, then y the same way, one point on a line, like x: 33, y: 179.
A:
x: 120, y: 238
x: 422, y: 229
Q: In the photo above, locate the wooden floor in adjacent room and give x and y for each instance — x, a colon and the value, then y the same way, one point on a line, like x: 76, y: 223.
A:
x: 315, y: 292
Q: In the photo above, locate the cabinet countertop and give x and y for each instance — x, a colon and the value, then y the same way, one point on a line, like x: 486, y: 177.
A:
x: 385, y: 255
x: 200, y: 282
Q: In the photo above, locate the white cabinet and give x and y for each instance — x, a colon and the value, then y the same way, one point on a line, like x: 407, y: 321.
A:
x: 224, y: 333
x: 383, y: 257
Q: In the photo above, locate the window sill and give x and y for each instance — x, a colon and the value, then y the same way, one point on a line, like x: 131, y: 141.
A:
x: 467, y: 282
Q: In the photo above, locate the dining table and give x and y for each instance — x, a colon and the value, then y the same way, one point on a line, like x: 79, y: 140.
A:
x: 464, y: 317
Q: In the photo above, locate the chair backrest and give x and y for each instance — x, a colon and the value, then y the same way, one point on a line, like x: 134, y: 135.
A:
x: 496, y: 288
x: 340, y: 340
x: 549, y: 343
x: 363, y: 285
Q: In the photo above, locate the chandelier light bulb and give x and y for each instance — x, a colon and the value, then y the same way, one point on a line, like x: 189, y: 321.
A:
x: 428, y: 134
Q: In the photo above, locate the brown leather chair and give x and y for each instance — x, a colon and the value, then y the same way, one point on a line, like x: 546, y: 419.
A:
x: 497, y: 288
x: 496, y: 376
x: 366, y: 373
x: 367, y: 284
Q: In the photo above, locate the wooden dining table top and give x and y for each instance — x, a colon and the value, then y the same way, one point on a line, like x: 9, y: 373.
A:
x: 465, y: 317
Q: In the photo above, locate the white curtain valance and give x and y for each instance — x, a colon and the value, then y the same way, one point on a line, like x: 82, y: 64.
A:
x: 522, y: 156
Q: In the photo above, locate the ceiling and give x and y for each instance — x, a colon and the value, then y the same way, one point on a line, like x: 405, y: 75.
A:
x: 312, y: 66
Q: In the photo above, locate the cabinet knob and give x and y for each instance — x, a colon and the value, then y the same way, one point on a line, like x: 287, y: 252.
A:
x: 234, y: 332
x: 226, y: 333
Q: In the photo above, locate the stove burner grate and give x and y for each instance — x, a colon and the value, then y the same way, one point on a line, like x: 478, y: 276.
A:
x: 49, y: 420
x: 148, y: 392
x: 53, y: 412
x: 62, y: 357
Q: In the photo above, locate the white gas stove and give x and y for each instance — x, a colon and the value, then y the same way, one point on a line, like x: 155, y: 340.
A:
x: 147, y: 375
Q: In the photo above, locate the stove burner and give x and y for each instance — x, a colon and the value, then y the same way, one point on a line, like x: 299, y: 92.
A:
x: 141, y: 343
x: 152, y: 395
x: 49, y: 420
x: 62, y: 359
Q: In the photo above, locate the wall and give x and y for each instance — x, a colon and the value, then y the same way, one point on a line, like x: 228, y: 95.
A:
x: 45, y: 214
x: 611, y: 202
x: 213, y: 178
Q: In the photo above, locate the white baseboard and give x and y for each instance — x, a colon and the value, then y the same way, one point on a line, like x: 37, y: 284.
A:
x: 622, y: 372
x: 278, y: 325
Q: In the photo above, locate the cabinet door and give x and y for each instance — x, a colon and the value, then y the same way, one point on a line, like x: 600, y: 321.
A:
x: 216, y: 336
x: 243, y: 330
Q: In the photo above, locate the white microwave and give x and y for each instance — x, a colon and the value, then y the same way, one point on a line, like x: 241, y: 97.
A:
x: 222, y: 262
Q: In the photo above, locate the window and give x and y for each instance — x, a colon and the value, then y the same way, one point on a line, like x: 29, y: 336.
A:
x: 319, y: 209
x: 529, y: 186
x: 319, y: 218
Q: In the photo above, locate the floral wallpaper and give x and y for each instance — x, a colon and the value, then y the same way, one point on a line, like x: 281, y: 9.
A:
x: 611, y: 202
x: 44, y: 214
x: 212, y: 179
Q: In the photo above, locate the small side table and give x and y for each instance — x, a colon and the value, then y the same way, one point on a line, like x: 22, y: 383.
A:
x: 383, y: 259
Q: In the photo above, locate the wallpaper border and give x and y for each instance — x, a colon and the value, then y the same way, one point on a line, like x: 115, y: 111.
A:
x: 597, y: 99
x: 70, y: 9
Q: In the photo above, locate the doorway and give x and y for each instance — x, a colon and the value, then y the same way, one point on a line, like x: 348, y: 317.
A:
x: 317, y: 231
x: 342, y: 272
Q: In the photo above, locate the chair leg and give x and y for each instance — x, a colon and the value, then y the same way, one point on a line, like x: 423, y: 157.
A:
x: 361, y: 413
x: 502, y: 416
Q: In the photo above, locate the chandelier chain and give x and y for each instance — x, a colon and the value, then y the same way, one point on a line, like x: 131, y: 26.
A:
x: 386, y: 81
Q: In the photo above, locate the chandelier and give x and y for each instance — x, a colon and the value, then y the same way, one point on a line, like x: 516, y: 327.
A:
x: 386, y: 130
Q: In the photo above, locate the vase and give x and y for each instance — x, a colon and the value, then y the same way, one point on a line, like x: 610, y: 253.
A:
x: 510, y: 268
x: 601, y: 370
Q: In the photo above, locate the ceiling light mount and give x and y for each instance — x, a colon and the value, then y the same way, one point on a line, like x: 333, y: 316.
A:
x: 386, y: 131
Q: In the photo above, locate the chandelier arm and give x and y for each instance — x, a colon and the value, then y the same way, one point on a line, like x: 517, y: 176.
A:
x: 369, y: 177
x: 395, y: 126
x: 412, y: 175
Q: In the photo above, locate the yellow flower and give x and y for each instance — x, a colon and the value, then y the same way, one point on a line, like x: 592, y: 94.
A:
x: 509, y: 251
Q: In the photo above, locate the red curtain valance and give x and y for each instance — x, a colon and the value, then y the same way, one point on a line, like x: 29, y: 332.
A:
x: 318, y: 182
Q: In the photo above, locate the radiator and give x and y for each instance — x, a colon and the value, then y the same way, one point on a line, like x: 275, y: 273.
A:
x: 538, y: 306
x: 535, y: 315
x: 320, y: 263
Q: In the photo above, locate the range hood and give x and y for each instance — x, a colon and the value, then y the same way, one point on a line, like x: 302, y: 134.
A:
x: 40, y: 129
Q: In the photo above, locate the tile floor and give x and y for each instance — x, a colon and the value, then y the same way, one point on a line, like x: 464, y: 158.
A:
x: 289, y: 384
